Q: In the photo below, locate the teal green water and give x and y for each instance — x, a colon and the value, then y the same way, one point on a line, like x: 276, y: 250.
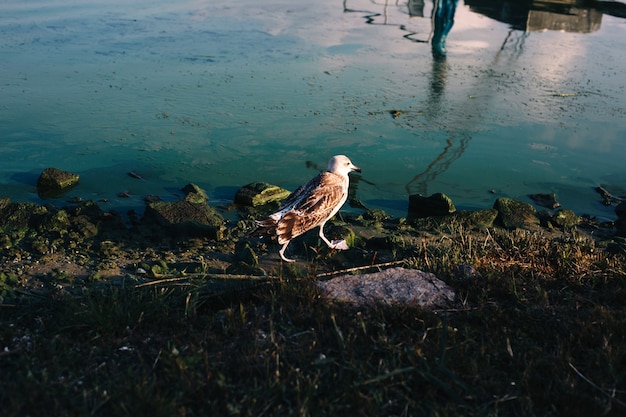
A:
x: 223, y: 94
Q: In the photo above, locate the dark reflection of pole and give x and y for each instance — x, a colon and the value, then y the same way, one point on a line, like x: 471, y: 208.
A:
x: 443, y: 20
x: 455, y: 147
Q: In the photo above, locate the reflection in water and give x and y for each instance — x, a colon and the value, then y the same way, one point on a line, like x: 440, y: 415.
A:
x: 524, y: 17
x: 456, y: 143
x: 442, y: 18
x: 581, y: 16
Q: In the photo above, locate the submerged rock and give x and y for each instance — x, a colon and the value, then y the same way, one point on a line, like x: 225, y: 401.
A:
x: 393, y: 286
x: 436, y: 205
x: 515, y: 214
x: 53, y: 182
x: 259, y: 194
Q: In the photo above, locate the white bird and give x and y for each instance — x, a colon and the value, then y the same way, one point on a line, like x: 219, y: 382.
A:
x: 312, y: 205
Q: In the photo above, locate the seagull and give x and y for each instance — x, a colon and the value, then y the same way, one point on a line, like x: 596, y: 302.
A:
x: 311, y: 205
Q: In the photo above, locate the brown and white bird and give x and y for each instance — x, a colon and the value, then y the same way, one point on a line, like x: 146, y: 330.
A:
x: 312, y: 205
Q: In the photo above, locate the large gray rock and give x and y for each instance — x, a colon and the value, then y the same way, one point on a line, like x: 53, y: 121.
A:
x: 392, y: 286
x: 53, y: 182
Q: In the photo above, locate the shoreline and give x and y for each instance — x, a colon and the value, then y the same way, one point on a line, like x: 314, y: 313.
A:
x: 82, y: 243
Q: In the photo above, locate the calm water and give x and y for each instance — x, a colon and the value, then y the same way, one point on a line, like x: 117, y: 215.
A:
x: 226, y: 93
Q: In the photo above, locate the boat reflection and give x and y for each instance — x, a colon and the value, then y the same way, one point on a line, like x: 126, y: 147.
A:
x: 536, y: 16
x: 430, y: 21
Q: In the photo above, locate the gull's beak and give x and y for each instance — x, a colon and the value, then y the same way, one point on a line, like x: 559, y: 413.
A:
x: 356, y: 168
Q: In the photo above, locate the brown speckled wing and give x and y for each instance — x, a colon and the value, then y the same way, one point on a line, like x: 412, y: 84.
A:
x: 313, y: 204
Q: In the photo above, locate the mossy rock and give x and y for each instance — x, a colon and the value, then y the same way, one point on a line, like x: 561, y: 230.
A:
x: 545, y: 200
x: 53, y: 182
x: 514, y: 214
x: 195, y: 194
x: 21, y: 215
x: 185, y: 218
x: 259, y: 194
x: 565, y: 219
x: 58, y: 222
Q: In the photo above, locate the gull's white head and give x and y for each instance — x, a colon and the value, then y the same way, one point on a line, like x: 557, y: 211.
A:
x: 341, y: 165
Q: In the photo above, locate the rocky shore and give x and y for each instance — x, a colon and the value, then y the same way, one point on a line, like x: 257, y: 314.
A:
x: 44, y: 247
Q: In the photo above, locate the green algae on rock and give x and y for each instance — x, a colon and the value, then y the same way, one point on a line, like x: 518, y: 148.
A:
x: 259, y: 194
x: 53, y: 182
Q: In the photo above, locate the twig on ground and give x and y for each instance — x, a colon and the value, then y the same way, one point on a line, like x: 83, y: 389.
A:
x: 359, y: 268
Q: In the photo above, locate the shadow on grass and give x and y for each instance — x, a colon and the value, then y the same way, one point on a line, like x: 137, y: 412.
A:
x: 540, y: 331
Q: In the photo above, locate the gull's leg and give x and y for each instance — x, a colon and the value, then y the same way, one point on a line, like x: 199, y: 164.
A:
x: 335, y: 244
x: 321, y: 234
x: 281, y: 252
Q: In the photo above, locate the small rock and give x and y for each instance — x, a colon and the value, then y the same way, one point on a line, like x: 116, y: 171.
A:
x: 53, y: 182
x: 195, y: 194
x: 565, y: 219
x: 546, y: 200
x: 260, y: 193
x: 515, y: 214
x: 392, y: 286
x: 190, y: 216
x: 436, y: 205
